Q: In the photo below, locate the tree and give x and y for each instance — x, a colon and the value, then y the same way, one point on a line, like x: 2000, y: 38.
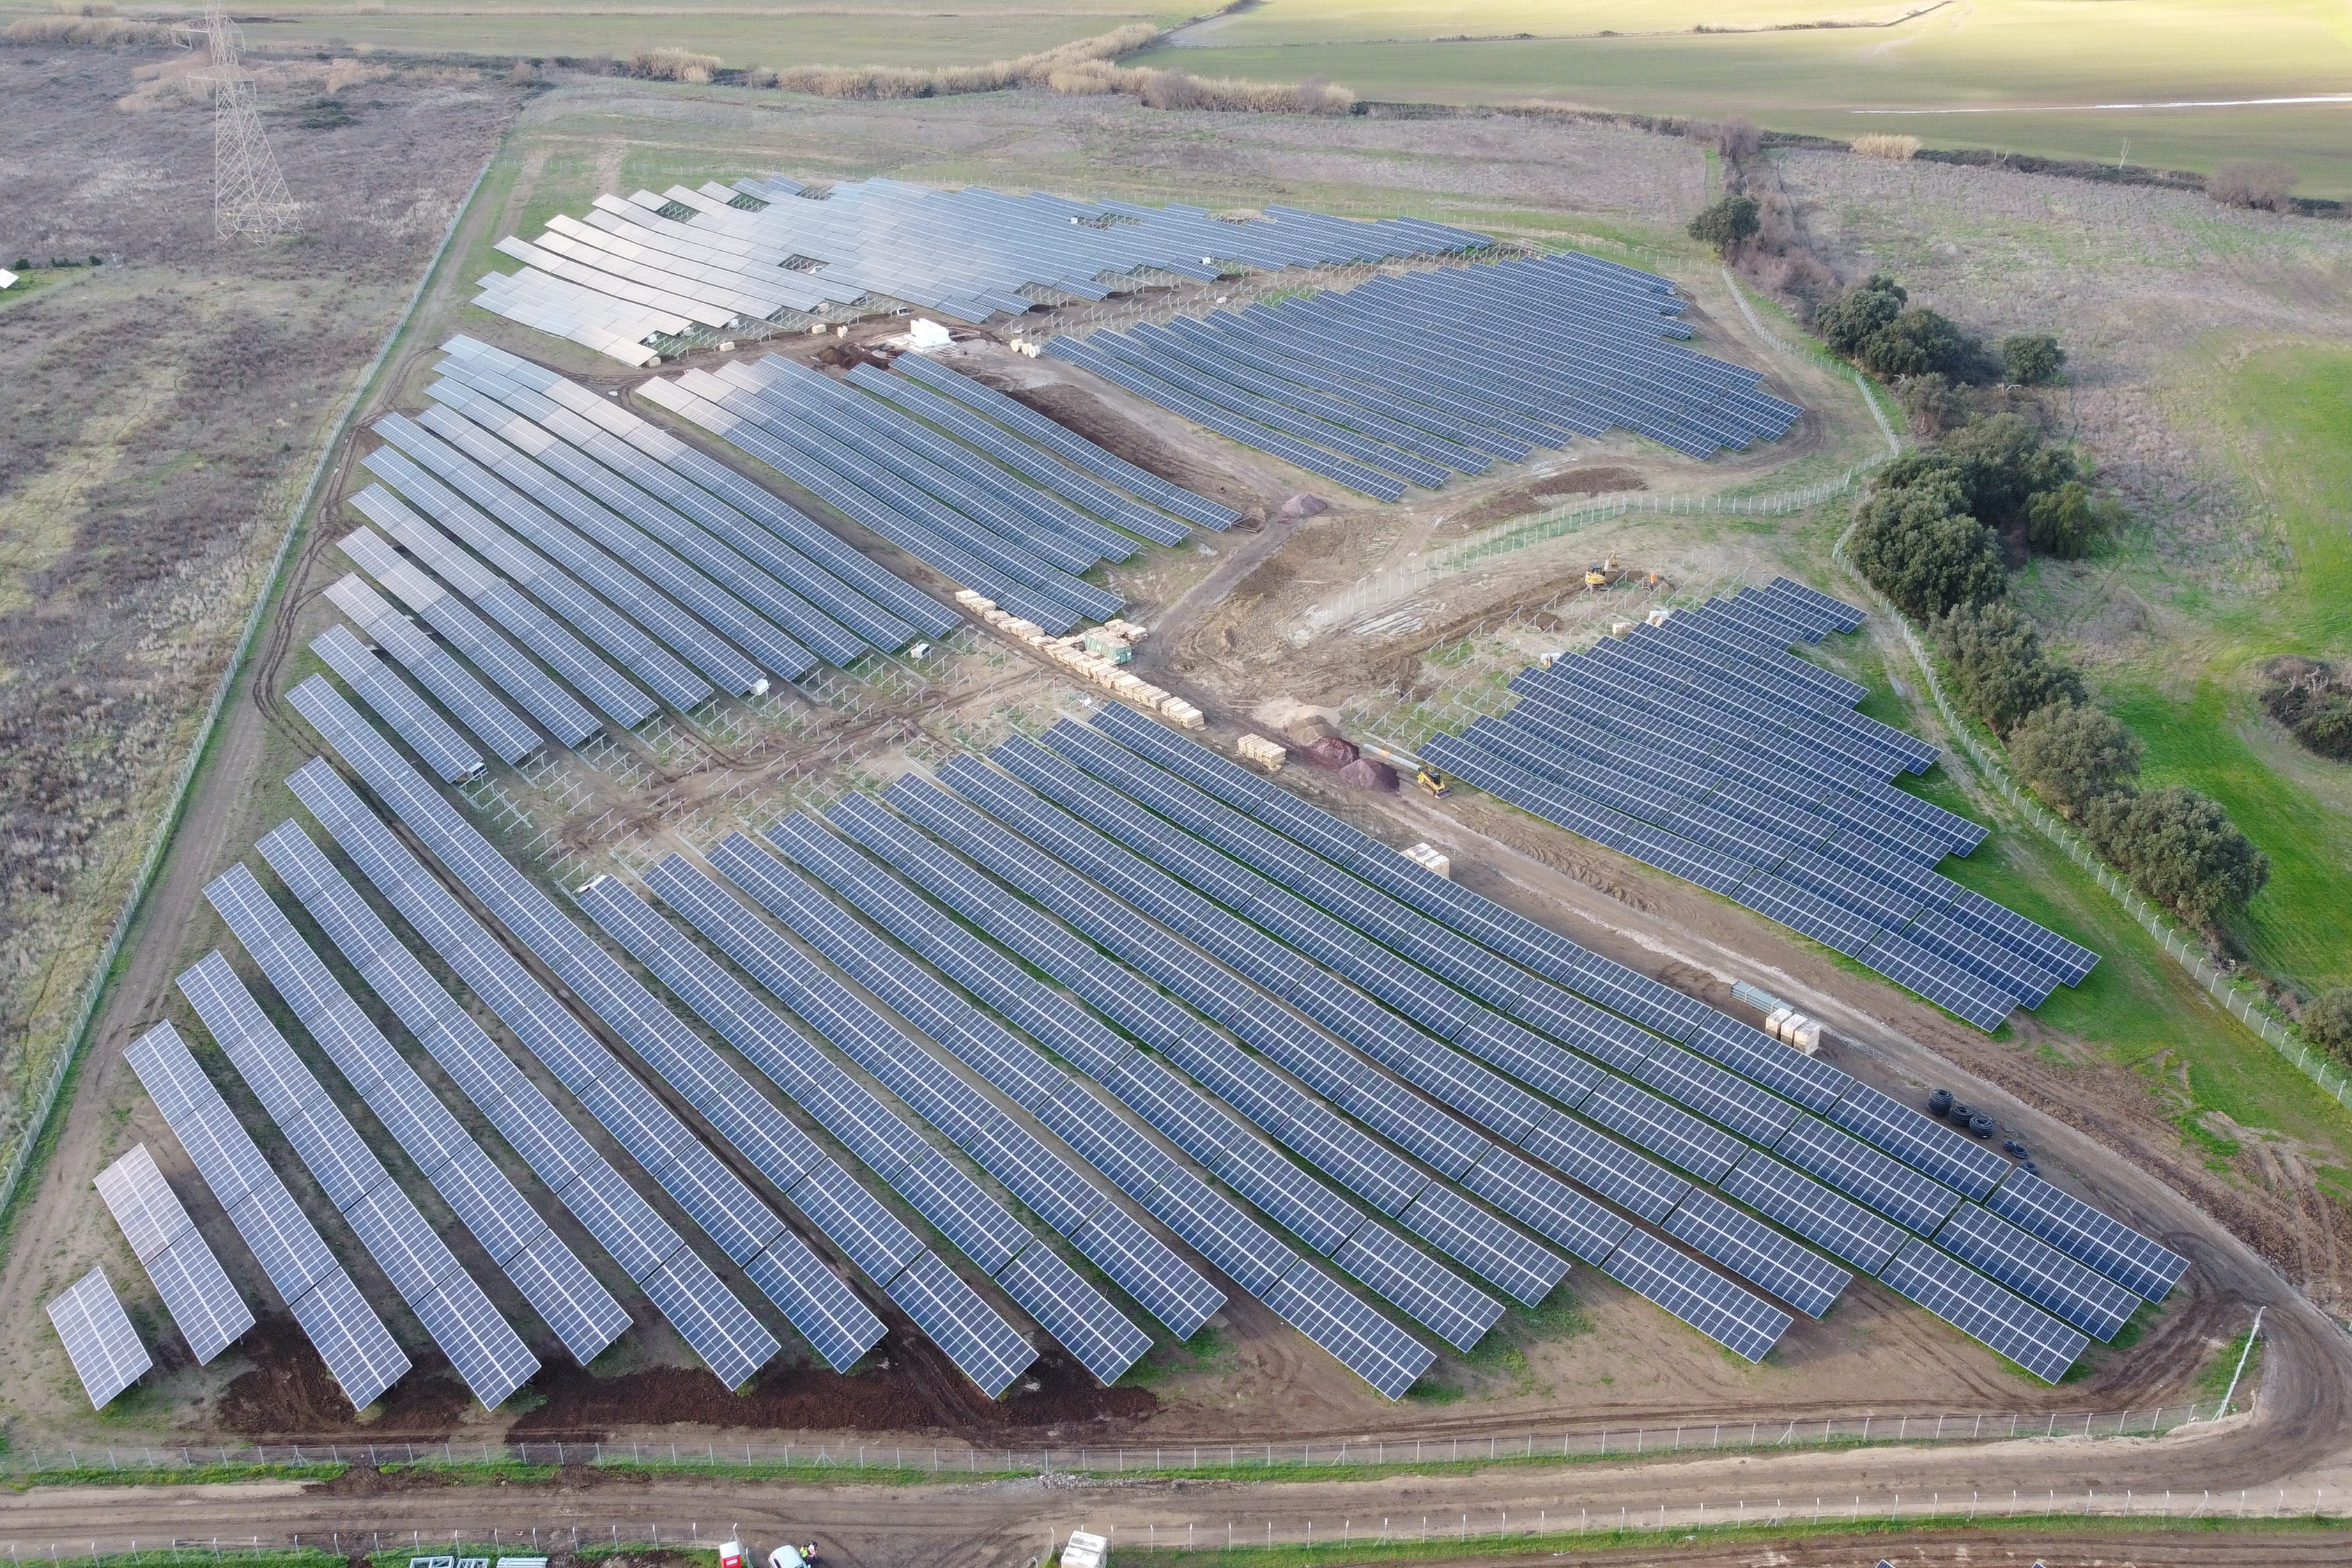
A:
x: 1916, y: 343
x: 2031, y: 359
x: 1848, y: 321
x: 1933, y: 402
x: 2071, y: 754
x: 2180, y: 849
x: 1997, y: 664
x: 1924, y: 552
x: 2328, y: 1023
x: 2001, y: 464
x: 1726, y: 223
x: 2065, y: 522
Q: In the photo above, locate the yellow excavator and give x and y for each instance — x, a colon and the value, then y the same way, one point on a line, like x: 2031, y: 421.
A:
x: 1434, y: 782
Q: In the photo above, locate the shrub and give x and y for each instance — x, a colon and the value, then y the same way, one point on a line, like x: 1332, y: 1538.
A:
x: 2180, y: 849
x: 2328, y: 1023
x: 2314, y: 701
x: 1923, y: 550
x: 1933, y: 402
x: 1737, y: 139
x: 1919, y: 342
x: 2065, y: 522
x: 2070, y: 755
x: 673, y: 65
x: 1848, y: 321
x: 2002, y: 464
x: 1999, y: 666
x: 2031, y: 359
x: 1726, y: 223
x: 1900, y: 149
x: 2261, y: 183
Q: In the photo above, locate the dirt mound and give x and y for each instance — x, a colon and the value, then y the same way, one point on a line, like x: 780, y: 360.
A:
x: 1366, y: 773
x: 289, y: 1389
x: 1606, y: 480
x: 888, y: 1397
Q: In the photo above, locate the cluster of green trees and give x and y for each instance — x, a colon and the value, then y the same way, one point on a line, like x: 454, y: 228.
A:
x: 2176, y: 846
x: 1930, y: 534
x: 1876, y: 325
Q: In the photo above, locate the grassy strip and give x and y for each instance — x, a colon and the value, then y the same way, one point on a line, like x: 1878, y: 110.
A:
x: 175, y: 1474
x: 1300, y: 1554
x: 232, y: 1554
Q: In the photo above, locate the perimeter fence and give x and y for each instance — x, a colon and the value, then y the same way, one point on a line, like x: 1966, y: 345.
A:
x: 2184, y: 949
x: 1174, y: 1459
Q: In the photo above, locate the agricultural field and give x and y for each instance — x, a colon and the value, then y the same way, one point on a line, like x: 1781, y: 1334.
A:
x: 2051, y: 78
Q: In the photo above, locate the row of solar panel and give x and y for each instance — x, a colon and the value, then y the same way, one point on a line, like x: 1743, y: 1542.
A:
x: 188, y: 1275
x: 717, y: 255
x: 480, y: 1345
x: 557, y: 1286
x: 358, y: 1349
x: 1258, y: 1262
x: 1789, y: 1270
x: 1648, y: 1123
x: 1458, y: 1312
x: 2046, y: 1212
x: 1286, y: 359
x: 1483, y: 1167
x: 825, y: 1310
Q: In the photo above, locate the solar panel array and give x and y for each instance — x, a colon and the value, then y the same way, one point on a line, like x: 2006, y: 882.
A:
x: 428, y: 734
x: 1058, y: 1192
x: 492, y: 723
x: 557, y: 1286
x: 505, y: 666
x: 820, y: 566
x: 1705, y: 748
x: 1424, y: 1290
x: 1623, y: 1020
x: 989, y: 498
x: 99, y: 1339
x: 1480, y: 1098
x: 480, y: 1345
x: 196, y: 1288
x: 358, y: 1351
x: 1407, y: 380
x: 722, y: 256
x: 1250, y: 1256
x: 982, y: 1344
x: 708, y: 1316
x: 1028, y: 1269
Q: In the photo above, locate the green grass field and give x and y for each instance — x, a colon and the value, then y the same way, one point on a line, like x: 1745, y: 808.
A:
x: 2025, y: 76
x: 2288, y: 411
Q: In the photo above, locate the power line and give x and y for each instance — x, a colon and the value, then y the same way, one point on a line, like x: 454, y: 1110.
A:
x: 249, y: 195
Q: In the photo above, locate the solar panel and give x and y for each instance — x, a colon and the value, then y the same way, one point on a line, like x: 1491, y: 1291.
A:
x: 1553, y: 1211
x: 976, y: 1223
x: 2082, y: 1231
x: 1105, y: 1342
x: 486, y: 1352
x: 1493, y: 1250
x: 1885, y: 1183
x: 1643, y: 1118
x: 99, y: 1339
x: 2038, y: 1271
x: 1984, y: 1311
x: 1757, y: 1253
x: 1737, y: 1319
x: 429, y: 735
x: 719, y: 1327
x: 557, y: 1286
x: 1784, y: 1193
x: 1919, y: 1141
x: 1456, y: 1311
x: 350, y: 1339
x: 493, y: 723
x: 1366, y: 1343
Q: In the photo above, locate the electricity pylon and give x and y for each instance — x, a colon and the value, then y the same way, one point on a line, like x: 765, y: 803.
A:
x: 249, y: 195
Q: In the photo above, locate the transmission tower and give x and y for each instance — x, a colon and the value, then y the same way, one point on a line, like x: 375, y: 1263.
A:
x: 249, y: 195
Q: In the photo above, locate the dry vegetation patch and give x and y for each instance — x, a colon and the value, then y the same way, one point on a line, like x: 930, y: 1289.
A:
x: 163, y: 416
